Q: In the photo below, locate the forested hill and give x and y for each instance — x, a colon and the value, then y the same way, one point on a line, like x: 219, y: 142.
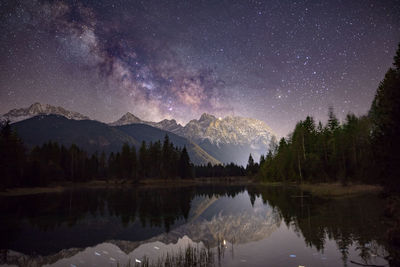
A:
x: 52, y: 163
x: 149, y: 134
x: 324, y: 153
x: 93, y: 136
x: 360, y: 149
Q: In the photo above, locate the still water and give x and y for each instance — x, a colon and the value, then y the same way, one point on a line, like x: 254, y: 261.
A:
x: 243, y: 225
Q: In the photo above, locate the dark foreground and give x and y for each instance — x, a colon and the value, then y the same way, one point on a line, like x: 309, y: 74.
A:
x: 248, y: 225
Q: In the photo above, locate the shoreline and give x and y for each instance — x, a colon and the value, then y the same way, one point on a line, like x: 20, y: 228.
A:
x: 327, y: 190
x: 146, y: 183
x: 332, y: 190
x: 337, y: 190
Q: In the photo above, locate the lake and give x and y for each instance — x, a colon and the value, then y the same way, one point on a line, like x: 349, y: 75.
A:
x: 240, y: 225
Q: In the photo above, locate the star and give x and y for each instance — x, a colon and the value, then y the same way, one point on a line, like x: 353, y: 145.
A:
x: 104, y: 59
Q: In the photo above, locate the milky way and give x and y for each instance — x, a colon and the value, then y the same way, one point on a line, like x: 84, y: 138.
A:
x: 277, y: 61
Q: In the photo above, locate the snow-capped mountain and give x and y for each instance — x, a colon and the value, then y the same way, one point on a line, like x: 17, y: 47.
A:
x: 35, y: 109
x: 167, y: 125
x: 228, y: 130
x: 229, y: 139
x: 126, y: 119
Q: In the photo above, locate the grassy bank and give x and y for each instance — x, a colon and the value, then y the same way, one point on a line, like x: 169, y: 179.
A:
x: 191, y: 256
x: 320, y: 189
x: 115, y: 183
x: 338, y: 190
x: 331, y: 189
x: 31, y: 190
x: 277, y: 184
x: 54, y: 188
x: 230, y: 180
x: 59, y: 187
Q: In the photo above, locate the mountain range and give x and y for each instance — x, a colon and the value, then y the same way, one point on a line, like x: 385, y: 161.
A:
x: 208, y: 139
x: 94, y: 136
x: 229, y: 139
x: 35, y: 109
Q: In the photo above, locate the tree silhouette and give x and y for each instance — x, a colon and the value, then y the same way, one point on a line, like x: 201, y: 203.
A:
x: 185, y: 168
x: 385, y: 116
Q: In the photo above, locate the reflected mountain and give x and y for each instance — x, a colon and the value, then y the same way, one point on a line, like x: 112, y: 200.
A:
x: 47, y: 228
x: 106, y: 253
x: 60, y: 220
x: 234, y: 220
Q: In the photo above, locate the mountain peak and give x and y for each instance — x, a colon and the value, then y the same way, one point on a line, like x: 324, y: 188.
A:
x: 37, y: 108
x: 131, y: 117
x: 37, y: 105
x: 229, y: 134
x: 166, y: 121
x: 127, y: 118
x: 207, y: 117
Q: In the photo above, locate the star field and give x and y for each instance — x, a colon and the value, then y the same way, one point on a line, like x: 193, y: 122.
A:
x: 277, y: 61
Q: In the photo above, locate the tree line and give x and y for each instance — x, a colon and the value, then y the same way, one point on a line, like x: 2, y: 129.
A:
x: 153, y: 160
x: 360, y: 149
x: 52, y: 162
x: 219, y: 170
x: 322, y: 153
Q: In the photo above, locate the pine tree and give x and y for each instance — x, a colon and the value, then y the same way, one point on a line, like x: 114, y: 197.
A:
x: 117, y: 166
x: 111, y: 166
x: 166, y: 158
x: 262, y: 159
x: 126, y: 162
x: 102, y: 166
x: 250, y: 168
x: 143, y: 165
x: 155, y: 152
x: 184, y: 164
x: 385, y: 116
x: 333, y: 122
x: 133, y: 160
x: 12, y: 157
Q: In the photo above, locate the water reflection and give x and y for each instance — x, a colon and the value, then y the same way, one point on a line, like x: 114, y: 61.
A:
x: 105, y: 254
x: 354, y: 224
x: 248, y: 222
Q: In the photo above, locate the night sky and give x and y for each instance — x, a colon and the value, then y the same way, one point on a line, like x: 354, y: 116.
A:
x: 277, y: 61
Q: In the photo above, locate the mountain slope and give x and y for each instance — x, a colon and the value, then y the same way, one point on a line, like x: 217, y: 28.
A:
x: 228, y: 130
x: 35, y: 109
x: 167, y: 125
x: 87, y: 134
x: 151, y: 134
x: 229, y: 139
x: 95, y: 136
x: 126, y: 119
